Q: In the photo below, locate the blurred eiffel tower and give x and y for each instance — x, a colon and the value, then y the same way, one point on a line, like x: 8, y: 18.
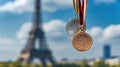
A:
x: 30, y: 52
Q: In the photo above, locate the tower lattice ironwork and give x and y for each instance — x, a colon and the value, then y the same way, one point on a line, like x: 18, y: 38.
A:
x: 30, y: 52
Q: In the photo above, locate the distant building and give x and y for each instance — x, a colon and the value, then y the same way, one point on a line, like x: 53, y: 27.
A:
x: 107, y: 58
x: 107, y: 51
x: 113, y: 61
x: 65, y: 59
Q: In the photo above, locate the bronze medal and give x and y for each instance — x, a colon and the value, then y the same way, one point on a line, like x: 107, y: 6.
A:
x: 82, y: 41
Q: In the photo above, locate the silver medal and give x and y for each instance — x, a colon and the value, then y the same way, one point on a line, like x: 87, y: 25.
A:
x: 73, y: 26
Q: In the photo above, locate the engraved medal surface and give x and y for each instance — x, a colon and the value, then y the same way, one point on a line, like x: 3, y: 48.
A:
x: 73, y: 26
x: 82, y: 41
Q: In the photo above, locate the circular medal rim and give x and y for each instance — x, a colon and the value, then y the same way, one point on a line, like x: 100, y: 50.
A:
x: 71, y: 20
x: 79, y: 32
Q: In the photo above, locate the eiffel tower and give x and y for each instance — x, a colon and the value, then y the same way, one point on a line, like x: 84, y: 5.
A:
x: 30, y: 52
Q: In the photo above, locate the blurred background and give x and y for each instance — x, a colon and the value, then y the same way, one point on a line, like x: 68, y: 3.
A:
x: 103, y: 24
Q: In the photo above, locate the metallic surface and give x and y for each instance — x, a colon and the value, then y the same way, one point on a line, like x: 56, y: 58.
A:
x: 82, y: 41
x: 73, y: 26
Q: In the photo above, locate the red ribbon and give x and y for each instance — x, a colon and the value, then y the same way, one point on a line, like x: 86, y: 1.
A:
x: 81, y: 9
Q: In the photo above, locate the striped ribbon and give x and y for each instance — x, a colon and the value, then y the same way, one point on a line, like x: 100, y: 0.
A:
x: 80, y: 7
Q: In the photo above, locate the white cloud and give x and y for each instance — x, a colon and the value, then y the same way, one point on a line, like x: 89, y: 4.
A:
x: 60, y: 43
x: 109, y: 35
x: 105, y: 1
x: 53, y: 29
x: 27, y: 5
x: 19, y: 6
x: 22, y: 34
x: 112, y: 31
x: 105, y: 35
x: 95, y: 31
x: 24, y: 29
x: 56, y: 36
x: 6, y: 40
x: 53, y: 5
x: 8, y: 44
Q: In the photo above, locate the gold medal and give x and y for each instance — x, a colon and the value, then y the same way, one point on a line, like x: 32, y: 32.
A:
x: 82, y: 41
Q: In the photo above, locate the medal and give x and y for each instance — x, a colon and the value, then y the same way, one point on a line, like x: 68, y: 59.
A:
x: 82, y: 41
x: 73, y: 26
x: 76, y: 27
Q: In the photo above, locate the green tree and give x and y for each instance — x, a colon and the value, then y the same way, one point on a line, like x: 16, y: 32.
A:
x: 37, y: 65
x: 84, y: 64
x: 67, y: 65
x: 113, y: 66
x: 59, y: 65
x: 118, y: 65
x: 26, y: 65
x: 4, y: 64
x: 107, y: 65
x: 15, y: 64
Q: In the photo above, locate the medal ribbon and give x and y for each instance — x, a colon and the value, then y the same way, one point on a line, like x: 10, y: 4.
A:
x: 80, y: 7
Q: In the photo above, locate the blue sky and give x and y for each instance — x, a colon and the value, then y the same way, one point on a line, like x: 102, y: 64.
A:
x: 16, y: 16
